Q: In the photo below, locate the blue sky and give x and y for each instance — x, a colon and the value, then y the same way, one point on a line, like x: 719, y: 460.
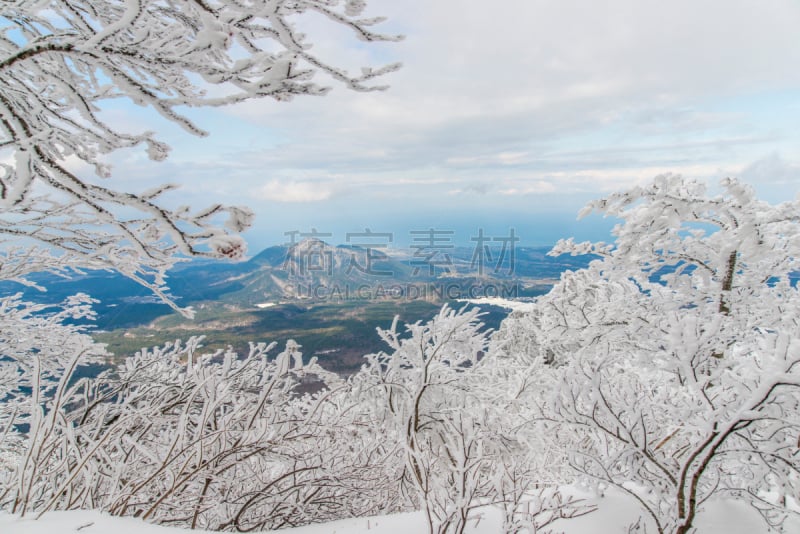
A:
x: 510, y: 114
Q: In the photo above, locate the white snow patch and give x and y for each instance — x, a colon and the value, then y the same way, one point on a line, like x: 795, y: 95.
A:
x: 514, y: 305
x: 615, y: 511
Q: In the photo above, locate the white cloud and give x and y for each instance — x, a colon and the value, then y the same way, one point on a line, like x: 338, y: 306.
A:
x: 471, y: 189
x: 504, y: 86
x: 278, y: 191
x: 772, y: 169
x: 521, y: 98
x: 535, y: 188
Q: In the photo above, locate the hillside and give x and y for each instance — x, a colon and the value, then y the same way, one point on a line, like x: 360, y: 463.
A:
x: 330, y: 299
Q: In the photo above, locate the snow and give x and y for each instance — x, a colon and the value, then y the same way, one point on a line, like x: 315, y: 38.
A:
x: 94, y: 522
x: 513, y: 305
x: 687, y: 385
x: 615, y: 511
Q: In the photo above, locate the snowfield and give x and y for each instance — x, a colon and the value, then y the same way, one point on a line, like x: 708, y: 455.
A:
x: 513, y: 305
x: 615, y: 511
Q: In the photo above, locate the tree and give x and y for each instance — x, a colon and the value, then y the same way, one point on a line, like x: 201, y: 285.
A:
x: 217, y: 441
x: 425, y: 397
x: 675, y: 357
x: 38, y: 356
x: 462, y: 427
x: 61, y: 60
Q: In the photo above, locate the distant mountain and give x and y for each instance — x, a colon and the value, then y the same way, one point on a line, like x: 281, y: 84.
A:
x: 286, y: 272
x: 313, y: 270
x: 328, y: 298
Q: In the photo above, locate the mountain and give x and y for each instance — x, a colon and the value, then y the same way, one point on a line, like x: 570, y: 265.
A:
x: 328, y: 298
x: 313, y: 271
x: 303, y: 270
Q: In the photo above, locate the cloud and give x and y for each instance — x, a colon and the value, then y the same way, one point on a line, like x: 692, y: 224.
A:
x: 528, y: 98
x: 291, y: 192
x: 535, y: 188
x: 772, y: 169
x: 489, y: 89
x: 471, y: 189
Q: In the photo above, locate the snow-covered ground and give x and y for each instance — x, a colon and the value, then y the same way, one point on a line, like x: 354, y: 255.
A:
x: 513, y: 305
x: 614, y: 512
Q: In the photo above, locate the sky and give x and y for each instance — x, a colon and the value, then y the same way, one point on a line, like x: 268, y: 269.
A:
x: 508, y: 114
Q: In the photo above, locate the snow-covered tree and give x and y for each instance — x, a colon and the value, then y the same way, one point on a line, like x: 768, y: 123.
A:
x: 675, y: 357
x: 428, y: 404
x: 215, y: 440
x: 39, y: 355
x: 166, y: 436
x: 462, y: 426
x: 61, y: 60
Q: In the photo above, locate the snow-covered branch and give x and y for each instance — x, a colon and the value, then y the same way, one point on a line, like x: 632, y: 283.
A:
x: 673, y: 361
x: 62, y: 60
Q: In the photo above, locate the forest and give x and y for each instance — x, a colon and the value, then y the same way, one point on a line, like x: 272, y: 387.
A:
x: 667, y: 370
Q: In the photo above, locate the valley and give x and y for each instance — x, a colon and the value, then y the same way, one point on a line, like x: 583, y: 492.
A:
x: 329, y: 299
